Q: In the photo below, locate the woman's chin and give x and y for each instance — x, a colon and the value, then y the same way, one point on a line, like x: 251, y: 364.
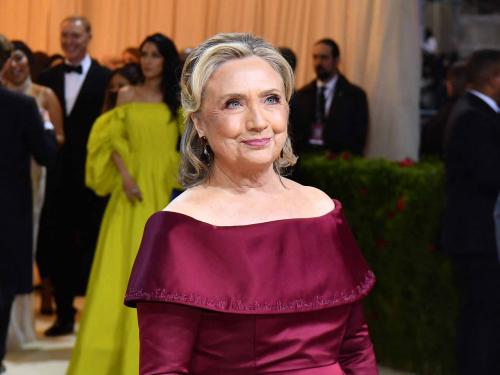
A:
x: 258, y: 161
x: 17, y: 80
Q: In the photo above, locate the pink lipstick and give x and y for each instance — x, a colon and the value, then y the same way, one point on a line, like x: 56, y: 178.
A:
x: 257, y: 142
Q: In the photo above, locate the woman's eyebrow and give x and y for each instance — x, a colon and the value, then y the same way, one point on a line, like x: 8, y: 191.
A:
x: 231, y: 95
x: 270, y: 91
x: 241, y: 95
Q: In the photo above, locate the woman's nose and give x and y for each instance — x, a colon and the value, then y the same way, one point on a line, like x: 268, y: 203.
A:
x: 256, y: 119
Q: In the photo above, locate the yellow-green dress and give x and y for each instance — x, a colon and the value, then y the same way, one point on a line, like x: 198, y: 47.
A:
x: 145, y: 135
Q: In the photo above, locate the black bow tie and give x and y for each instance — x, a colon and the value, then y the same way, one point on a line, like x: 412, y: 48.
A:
x: 73, y: 69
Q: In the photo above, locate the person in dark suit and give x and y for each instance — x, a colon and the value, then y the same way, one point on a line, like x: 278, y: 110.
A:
x: 72, y: 215
x: 329, y: 113
x: 23, y: 136
x: 432, y: 135
x: 472, y: 161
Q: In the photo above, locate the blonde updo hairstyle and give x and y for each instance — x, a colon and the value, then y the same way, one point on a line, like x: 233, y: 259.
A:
x: 202, y: 62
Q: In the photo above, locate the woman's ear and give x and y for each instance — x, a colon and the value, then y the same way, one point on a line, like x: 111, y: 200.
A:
x: 198, y: 124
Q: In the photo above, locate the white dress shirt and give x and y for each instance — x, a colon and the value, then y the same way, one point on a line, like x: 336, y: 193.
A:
x: 73, y: 83
x: 329, y: 91
x: 488, y: 100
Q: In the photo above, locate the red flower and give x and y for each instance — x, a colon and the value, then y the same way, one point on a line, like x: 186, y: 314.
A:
x: 406, y: 163
x: 363, y: 191
x: 345, y: 155
x: 401, y: 204
x: 391, y: 215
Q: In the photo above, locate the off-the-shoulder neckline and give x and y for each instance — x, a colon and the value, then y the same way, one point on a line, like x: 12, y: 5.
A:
x: 334, y: 211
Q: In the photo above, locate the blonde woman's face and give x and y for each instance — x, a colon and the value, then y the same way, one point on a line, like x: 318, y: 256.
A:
x: 244, y: 113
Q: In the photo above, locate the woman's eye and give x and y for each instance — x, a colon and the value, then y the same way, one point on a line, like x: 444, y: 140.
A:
x: 233, y: 103
x: 17, y: 56
x: 273, y: 99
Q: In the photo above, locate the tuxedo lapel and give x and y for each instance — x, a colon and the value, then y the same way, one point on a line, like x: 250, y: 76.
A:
x: 59, y: 87
x: 338, y: 94
x: 87, y: 83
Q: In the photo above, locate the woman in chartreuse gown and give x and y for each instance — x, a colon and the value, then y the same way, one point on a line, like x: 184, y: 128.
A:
x: 132, y: 156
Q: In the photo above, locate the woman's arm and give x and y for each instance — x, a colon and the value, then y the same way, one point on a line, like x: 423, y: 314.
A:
x: 132, y: 191
x: 130, y: 187
x: 55, y: 113
x: 167, y: 337
x: 356, y: 355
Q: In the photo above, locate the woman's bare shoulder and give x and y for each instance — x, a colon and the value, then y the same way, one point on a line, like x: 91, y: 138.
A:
x: 50, y: 96
x: 318, y: 200
x: 40, y: 92
x: 37, y: 89
x: 188, y: 202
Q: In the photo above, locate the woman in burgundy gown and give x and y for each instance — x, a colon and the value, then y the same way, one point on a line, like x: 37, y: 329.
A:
x: 247, y: 272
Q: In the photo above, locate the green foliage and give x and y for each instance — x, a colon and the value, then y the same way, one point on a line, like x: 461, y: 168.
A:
x: 395, y: 212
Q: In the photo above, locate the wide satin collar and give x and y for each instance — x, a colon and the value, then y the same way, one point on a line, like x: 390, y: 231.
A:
x: 280, y: 266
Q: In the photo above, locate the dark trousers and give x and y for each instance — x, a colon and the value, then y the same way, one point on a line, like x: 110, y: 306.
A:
x: 6, y: 298
x: 48, y: 231
x: 79, y: 218
x: 478, y: 326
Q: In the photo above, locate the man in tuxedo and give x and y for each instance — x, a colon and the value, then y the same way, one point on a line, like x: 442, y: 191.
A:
x: 329, y: 113
x: 23, y: 135
x: 472, y: 160
x: 73, y: 213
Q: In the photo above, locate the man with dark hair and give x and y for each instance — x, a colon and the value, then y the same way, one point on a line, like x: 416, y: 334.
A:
x: 433, y: 131
x: 72, y: 213
x: 472, y: 160
x: 23, y: 136
x: 329, y: 113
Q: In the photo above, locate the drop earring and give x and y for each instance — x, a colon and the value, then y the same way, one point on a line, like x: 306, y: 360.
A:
x: 206, y: 153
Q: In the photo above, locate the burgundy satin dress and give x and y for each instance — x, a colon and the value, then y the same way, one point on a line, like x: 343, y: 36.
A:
x: 276, y: 297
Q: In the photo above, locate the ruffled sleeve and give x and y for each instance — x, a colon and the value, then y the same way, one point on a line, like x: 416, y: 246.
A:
x: 108, y: 134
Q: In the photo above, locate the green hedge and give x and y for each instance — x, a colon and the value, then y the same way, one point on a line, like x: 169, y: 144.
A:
x: 394, y: 210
